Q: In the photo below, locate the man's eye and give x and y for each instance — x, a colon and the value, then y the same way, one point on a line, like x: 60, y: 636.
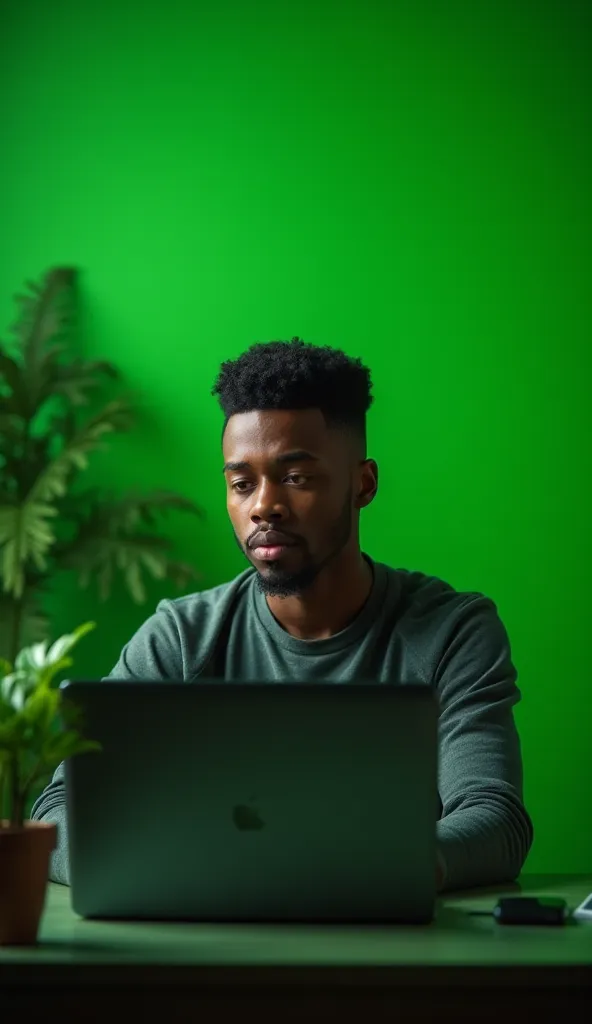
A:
x: 297, y: 478
x: 240, y: 486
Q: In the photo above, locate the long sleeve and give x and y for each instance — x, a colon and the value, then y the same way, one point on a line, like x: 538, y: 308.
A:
x: 51, y: 806
x: 485, y: 833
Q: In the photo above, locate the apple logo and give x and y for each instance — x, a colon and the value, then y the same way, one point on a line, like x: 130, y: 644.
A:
x: 246, y: 817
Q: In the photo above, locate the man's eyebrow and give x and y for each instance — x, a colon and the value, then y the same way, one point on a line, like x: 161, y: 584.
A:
x: 299, y: 455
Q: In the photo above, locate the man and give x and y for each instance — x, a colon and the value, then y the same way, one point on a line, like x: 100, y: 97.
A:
x: 312, y: 606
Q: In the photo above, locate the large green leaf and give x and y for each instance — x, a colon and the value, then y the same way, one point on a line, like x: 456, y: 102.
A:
x: 38, y: 728
x: 52, y: 481
x: 77, y: 379
x: 112, y: 540
x: 44, y: 311
x: 134, y: 509
x: 31, y: 740
x: 25, y: 534
x: 100, y: 557
x: 41, y: 708
x: 42, y: 450
x: 36, y: 667
x: 62, y: 647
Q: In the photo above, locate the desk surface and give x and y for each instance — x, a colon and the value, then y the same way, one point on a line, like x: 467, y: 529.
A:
x: 454, y: 939
x: 458, y: 969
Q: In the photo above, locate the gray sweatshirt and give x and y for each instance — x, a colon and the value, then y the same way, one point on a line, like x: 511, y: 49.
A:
x: 412, y: 629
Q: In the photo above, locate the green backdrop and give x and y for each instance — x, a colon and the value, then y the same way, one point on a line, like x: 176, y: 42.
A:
x: 407, y: 180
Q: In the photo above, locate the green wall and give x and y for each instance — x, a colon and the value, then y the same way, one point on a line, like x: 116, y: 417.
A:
x: 407, y: 180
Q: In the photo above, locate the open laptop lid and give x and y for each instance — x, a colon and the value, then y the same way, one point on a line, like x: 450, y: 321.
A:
x: 229, y: 801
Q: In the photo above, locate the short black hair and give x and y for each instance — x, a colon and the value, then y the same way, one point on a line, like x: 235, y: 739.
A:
x: 297, y: 375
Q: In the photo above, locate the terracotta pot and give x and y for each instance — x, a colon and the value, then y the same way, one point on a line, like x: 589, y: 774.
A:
x: 24, y: 869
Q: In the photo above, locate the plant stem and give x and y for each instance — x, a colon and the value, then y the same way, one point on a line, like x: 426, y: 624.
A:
x: 30, y: 779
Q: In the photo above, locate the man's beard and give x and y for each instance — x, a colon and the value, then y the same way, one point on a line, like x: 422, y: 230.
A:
x: 278, y: 582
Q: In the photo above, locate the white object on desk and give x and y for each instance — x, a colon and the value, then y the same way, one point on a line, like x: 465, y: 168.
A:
x: 584, y: 911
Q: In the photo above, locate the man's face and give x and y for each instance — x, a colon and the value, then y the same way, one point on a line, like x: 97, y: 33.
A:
x: 290, y: 483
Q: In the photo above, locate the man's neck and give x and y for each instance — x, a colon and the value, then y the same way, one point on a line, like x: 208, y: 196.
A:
x: 337, y: 595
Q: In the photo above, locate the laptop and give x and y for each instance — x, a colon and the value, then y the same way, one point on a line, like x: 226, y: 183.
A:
x: 217, y: 801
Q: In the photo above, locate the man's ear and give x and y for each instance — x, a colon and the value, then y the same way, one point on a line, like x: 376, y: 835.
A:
x: 367, y: 483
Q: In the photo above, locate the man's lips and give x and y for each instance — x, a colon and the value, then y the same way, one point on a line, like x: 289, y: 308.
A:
x: 270, y: 552
x: 272, y: 545
x: 272, y: 539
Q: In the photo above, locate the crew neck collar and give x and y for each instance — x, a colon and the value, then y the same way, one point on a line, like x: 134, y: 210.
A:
x: 358, y: 628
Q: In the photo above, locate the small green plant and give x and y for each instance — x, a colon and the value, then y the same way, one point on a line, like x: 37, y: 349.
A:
x: 39, y: 728
x: 48, y: 522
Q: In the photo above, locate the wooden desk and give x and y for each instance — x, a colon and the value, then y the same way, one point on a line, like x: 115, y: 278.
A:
x: 460, y: 967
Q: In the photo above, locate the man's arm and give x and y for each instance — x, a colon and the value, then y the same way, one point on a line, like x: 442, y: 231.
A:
x: 51, y: 806
x: 153, y: 653
x: 485, y: 833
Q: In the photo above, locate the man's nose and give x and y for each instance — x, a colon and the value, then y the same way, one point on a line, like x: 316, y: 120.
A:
x: 268, y: 504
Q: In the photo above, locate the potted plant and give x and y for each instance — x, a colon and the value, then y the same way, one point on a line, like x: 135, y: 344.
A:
x: 49, y: 523
x: 39, y: 728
